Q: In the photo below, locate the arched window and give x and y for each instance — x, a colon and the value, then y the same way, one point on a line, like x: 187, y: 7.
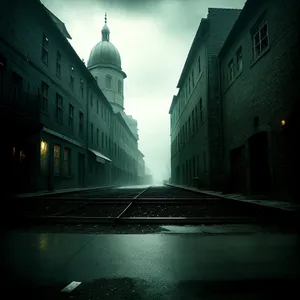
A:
x: 108, y: 81
x: 120, y: 87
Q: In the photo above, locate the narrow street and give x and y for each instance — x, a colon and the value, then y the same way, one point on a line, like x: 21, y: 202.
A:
x: 136, y: 259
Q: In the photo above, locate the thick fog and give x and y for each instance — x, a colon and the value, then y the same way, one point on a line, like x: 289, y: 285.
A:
x: 153, y: 38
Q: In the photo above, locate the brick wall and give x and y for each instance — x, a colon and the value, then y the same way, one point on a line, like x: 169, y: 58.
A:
x: 266, y: 88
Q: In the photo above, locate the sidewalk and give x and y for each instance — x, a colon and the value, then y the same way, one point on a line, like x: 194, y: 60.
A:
x: 57, y: 192
x: 287, y: 206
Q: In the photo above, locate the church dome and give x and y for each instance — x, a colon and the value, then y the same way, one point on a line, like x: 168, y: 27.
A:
x: 105, y: 53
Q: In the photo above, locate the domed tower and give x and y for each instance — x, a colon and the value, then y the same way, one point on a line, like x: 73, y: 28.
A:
x: 105, y: 65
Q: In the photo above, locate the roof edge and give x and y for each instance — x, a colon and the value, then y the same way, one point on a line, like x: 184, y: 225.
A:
x: 201, y: 29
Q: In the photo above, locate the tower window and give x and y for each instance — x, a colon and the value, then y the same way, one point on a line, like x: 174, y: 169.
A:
x: 108, y: 81
x: 120, y: 87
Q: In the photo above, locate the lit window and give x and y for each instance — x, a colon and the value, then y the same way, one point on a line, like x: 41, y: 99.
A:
x: 44, y: 156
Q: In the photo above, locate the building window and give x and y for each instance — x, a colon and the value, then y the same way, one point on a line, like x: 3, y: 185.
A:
x: 56, y: 159
x: 189, y: 85
x: 45, y: 49
x: 67, y: 162
x: 239, y: 60
x: 230, y: 71
x: 108, y: 81
x: 71, y: 116
x: 92, y: 133
x: 186, y: 93
x: 193, y: 121
x: 44, y: 156
x: 91, y: 100
x: 72, y: 78
x: 260, y: 39
x: 59, y: 108
x: 102, y: 112
x: 80, y: 123
x: 81, y: 88
x: 102, y: 140
x: 97, y: 137
x: 189, y: 126
x: 193, y: 78
x: 97, y: 106
x: 201, y: 110
x: 120, y: 87
x: 96, y: 79
x: 44, y: 103
x: 199, y: 65
x: 17, y: 82
x: 58, y: 64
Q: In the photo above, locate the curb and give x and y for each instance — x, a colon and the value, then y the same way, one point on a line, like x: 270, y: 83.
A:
x: 60, y: 192
x: 294, y: 208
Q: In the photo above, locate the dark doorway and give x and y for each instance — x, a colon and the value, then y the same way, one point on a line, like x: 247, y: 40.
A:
x: 290, y: 140
x: 80, y: 169
x: 260, y: 182
x: 238, y: 170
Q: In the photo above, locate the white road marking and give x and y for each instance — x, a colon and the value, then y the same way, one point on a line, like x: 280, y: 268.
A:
x: 70, y: 287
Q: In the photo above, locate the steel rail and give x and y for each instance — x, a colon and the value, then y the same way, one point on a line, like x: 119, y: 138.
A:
x: 152, y: 220
x: 92, y: 201
x: 131, y: 203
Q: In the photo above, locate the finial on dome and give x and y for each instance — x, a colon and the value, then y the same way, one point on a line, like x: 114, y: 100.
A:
x: 105, y: 30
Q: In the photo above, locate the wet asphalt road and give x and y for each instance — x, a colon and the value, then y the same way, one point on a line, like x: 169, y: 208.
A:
x: 150, y: 261
x: 236, y: 262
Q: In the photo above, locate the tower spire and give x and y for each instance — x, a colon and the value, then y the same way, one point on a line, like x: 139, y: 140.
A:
x: 105, y: 30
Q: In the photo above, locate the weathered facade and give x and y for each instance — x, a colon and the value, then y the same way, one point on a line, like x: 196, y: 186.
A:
x: 61, y: 130
x: 195, y: 111
x: 259, y: 68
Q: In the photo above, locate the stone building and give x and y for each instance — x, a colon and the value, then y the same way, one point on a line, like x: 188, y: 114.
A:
x: 60, y: 128
x: 195, y: 112
x: 259, y: 68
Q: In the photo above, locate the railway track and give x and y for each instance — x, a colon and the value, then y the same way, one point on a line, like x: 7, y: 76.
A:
x: 151, y: 205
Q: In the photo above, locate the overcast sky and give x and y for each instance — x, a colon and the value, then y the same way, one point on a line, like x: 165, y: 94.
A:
x: 153, y: 38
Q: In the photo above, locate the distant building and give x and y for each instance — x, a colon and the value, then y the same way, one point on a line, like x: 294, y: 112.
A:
x: 195, y: 112
x: 141, y: 167
x: 259, y: 68
x: 60, y: 130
